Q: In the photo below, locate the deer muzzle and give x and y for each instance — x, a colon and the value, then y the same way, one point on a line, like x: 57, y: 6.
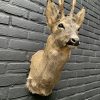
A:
x: 73, y: 42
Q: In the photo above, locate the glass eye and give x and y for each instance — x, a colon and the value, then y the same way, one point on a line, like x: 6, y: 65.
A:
x: 61, y: 26
x: 78, y: 29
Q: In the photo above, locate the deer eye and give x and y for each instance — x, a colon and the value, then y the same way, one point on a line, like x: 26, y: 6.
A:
x: 61, y: 26
x: 78, y: 29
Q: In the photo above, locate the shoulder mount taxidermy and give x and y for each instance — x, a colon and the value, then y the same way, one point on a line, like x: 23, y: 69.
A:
x: 46, y: 65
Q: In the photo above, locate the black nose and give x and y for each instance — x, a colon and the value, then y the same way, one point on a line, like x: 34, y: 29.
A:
x: 73, y: 42
x: 77, y: 43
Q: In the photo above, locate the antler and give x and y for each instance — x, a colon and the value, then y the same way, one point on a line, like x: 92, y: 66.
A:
x: 73, y: 7
x: 61, y: 7
x: 49, y: 0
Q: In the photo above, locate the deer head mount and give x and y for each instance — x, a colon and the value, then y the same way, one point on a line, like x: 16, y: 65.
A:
x: 46, y: 65
x: 64, y: 26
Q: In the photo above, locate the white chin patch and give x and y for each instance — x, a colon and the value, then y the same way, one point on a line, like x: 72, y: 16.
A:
x: 72, y: 47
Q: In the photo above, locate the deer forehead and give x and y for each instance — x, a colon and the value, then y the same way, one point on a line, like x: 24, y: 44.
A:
x: 69, y: 23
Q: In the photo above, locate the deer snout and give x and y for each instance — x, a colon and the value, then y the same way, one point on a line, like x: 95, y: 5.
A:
x: 74, y: 42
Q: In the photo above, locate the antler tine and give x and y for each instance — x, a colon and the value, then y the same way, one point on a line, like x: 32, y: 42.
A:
x: 49, y: 1
x: 61, y: 6
x: 73, y: 7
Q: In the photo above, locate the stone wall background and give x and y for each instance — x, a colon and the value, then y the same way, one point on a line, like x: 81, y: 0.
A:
x: 23, y: 31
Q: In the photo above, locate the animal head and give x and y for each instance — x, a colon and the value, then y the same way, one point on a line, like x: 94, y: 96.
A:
x: 64, y: 28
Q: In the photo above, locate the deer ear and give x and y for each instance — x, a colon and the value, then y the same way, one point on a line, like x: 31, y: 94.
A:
x: 80, y: 17
x: 51, y: 12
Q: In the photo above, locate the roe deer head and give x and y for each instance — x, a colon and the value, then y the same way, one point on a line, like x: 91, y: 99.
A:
x: 64, y: 28
x: 46, y: 65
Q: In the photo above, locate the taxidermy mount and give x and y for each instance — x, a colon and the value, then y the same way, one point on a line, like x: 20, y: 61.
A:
x: 46, y: 65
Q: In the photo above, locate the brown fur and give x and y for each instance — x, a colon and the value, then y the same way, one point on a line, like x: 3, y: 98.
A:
x: 46, y: 65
